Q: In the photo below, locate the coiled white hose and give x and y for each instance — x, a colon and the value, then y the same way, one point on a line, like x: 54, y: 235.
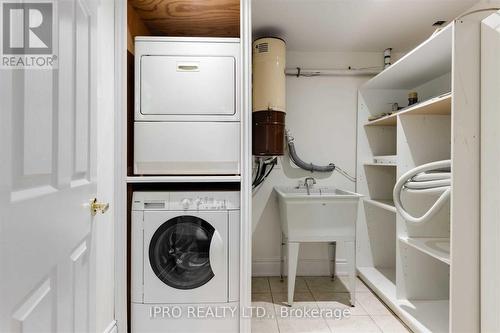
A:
x: 419, y: 179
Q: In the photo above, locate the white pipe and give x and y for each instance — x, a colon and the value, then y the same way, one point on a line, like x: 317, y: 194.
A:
x: 423, y: 177
x: 428, y: 184
x: 330, y: 72
x: 407, y: 182
x: 432, y: 190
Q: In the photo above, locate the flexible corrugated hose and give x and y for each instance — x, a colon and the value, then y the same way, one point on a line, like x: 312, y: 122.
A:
x: 303, y: 165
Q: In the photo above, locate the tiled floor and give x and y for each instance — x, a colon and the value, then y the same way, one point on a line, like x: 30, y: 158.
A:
x: 321, y: 305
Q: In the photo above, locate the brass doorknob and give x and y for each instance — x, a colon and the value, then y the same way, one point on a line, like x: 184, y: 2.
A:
x: 98, y: 207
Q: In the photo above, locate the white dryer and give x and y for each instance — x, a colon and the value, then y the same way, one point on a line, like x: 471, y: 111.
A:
x: 184, y: 254
x: 187, y: 106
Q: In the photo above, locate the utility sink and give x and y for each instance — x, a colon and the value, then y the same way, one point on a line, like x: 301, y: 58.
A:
x: 323, y: 214
x: 317, y: 214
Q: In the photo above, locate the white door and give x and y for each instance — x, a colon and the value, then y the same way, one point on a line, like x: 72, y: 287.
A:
x: 490, y: 175
x: 48, y: 176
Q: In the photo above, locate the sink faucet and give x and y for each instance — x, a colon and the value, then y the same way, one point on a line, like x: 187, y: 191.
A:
x: 307, y: 181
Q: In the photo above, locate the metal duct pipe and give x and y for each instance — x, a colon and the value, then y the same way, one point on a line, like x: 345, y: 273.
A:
x: 331, y: 72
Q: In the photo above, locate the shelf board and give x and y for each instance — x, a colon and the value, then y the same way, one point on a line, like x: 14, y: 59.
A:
x: 433, y: 314
x: 389, y: 120
x: 438, y: 248
x: 380, y: 279
x: 420, y: 316
x: 380, y: 164
x: 183, y: 179
x: 384, y: 204
x: 427, y: 61
x: 440, y: 105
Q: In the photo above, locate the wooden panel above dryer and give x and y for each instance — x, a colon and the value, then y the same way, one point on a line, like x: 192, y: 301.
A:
x: 200, y: 18
x: 136, y: 27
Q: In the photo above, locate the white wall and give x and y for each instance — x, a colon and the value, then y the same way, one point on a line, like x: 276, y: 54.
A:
x: 321, y: 115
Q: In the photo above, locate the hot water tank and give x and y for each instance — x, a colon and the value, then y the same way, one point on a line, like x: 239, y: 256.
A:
x: 269, y: 94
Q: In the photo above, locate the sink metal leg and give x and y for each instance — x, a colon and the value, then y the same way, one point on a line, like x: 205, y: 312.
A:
x: 333, y: 260
x: 282, y: 257
x: 352, y: 251
x: 293, y: 256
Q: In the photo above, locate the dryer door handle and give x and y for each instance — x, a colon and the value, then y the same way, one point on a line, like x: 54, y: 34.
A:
x: 216, y: 253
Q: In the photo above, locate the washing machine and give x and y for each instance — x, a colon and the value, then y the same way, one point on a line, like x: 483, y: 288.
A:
x: 185, y: 261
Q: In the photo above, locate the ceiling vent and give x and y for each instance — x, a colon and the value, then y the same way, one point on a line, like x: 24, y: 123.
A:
x: 263, y: 47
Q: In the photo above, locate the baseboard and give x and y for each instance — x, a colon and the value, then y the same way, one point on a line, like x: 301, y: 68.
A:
x: 111, y: 328
x: 305, y: 267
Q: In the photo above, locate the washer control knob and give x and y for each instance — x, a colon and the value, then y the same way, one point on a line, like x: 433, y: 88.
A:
x: 185, y: 203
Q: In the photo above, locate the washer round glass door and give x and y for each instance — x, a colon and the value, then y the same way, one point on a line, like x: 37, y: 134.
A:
x: 179, y: 252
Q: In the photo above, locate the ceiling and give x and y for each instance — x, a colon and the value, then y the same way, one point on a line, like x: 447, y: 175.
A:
x: 352, y: 26
x: 212, y: 18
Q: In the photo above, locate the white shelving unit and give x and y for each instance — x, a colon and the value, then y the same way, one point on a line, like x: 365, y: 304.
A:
x: 410, y: 266
x: 440, y: 105
x: 438, y: 248
x: 435, y: 313
x: 427, y: 61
